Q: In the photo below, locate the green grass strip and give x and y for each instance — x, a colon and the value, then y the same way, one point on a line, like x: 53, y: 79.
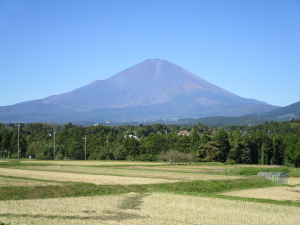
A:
x: 69, y: 190
x: 85, y: 189
x: 215, y: 186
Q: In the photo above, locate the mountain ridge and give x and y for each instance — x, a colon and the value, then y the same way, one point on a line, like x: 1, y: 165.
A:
x: 285, y: 113
x: 156, y: 86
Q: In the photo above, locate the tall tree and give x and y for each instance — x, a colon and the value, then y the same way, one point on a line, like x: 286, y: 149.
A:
x: 209, y: 151
x: 293, y: 150
x: 222, y: 139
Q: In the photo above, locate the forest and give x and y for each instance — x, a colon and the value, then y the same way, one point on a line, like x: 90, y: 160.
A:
x: 271, y: 143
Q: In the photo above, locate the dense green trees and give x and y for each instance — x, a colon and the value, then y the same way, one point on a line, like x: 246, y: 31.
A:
x: 293, y: 149
x: 222, y: 139
x: 274, y: 143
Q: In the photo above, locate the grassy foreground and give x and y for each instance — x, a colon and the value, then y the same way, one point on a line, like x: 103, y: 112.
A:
x: 35, y: 193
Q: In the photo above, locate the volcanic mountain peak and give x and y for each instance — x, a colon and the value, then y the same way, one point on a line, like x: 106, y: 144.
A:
x: 152, y: 81
x: 152, y: 87
x: 161, y: 75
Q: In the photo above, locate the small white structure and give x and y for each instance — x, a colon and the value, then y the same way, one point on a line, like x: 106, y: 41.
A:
x: 130, y: 136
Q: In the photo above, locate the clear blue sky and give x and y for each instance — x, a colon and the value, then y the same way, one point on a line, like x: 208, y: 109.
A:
x: 250, y: 48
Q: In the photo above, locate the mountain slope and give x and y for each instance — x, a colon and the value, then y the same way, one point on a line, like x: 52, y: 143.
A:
x: 149, y: 82
x: 284, y: 113
x: 152, y: 88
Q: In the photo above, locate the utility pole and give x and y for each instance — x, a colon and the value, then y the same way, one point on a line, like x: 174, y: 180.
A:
x: 18, y: 140
x: 54, y: 144
x: 85, y: 147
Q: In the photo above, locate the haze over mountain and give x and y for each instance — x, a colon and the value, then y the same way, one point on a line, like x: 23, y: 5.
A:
x: 152, y: 89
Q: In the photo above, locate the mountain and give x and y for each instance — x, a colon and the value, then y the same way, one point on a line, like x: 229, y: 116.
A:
x: 284, y: 113
x: 222, y: 120
x: 152, y: 89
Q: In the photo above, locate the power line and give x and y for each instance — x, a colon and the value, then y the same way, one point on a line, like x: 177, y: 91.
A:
x: 18, y: 140
x: 54, y: 144
x: 85, y: 147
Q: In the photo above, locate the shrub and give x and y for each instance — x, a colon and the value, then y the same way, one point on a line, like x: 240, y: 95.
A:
x: 146, y: 157
x: 2, y: 223
x: 230, y: 162
x: 130, y: 158
x: 255, y: 171
x: 172, y: 156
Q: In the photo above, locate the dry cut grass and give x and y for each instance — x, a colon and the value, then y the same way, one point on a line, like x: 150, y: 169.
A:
x: 84, y: 178
x: 293, y: 181
x: 90, y: 162
x: 6, y: 181
x: 157, y: 208
x: 129, y: 163
x: 281, y: 193
x: 142, y: 172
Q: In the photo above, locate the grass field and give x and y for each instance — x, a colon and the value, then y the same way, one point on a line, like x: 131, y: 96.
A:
x: 105, y: 192
x: 7, y: 181
x: 90, y: 162
x: 119, y: 172
x: 151, y: 208
x: 82, y: 178
x: 275, y: 193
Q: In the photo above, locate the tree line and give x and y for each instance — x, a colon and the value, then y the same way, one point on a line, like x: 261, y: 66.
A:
x: 274, y: 143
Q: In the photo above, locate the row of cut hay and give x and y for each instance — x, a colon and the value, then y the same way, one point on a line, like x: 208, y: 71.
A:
x: 91, y: 162
x: 130, y: 163
x: 157, y: 208
x: 77, y: 177
x: 219, y: 166
x: 7, y: 181
x: 143, y: 173
x: 281, y: 193
x: 168, y: 168
x: 199, y: 169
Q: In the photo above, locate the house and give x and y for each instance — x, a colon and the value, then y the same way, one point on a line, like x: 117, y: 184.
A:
x: 183, y: 133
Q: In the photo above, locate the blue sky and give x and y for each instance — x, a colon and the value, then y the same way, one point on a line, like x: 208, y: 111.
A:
x: 250, y: 48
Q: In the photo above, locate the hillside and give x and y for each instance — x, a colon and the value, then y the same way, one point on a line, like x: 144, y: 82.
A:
x: 284, y: 113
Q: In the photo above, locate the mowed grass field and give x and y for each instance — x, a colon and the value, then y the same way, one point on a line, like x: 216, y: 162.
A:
x: 150, y: 208
x: 105, y: 192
